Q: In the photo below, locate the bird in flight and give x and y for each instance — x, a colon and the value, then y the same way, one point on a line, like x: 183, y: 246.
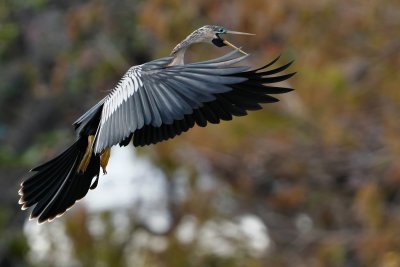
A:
x: 153, y: 102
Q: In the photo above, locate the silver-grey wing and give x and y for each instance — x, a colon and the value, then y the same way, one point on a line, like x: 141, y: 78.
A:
x: 155, y: 102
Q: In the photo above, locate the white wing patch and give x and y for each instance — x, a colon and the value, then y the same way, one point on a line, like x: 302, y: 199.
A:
x: 126, y: 87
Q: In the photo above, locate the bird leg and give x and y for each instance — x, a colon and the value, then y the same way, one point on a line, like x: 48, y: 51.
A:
x: 88, y: 154
x: 104, y: 157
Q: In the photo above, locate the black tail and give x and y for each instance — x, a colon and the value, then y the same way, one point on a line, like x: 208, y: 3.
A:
x: 56, y: 185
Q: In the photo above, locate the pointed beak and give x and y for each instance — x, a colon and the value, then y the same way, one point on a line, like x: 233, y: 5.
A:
x: 231, y: 45
x: 239, y: 33
x: 234, y: 47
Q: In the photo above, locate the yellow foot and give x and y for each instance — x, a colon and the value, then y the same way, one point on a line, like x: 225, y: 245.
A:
x: 104, y: 157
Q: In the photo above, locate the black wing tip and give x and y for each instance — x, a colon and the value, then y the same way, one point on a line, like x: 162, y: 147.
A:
x: 275, y: 59
x: 278, y: 90
x: 272, y: 100
x: 276, y: 79
x: 287, y: 65
x: 276, y: 69
x: 270, y: 63
x: 290, y: 75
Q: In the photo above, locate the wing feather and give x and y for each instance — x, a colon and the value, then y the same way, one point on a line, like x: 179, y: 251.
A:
x: 156, y: 101
x: 161, y: 105
x: 131, y: 114
x: 146, y: 106
x: 206, y: 86
x: 198, y: 96
x: 156, y: 117
x: 125, y: 115
x: 180, y: 102
x: 139, y: 111
x: 178, y: 107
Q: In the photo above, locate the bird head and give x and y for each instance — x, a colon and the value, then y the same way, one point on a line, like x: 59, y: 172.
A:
x: 213, y: 34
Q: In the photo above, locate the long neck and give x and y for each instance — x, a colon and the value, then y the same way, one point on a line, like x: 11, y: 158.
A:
x: 179, y: 51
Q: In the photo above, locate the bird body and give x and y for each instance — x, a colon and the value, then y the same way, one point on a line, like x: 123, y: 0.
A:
x: 152, y: 102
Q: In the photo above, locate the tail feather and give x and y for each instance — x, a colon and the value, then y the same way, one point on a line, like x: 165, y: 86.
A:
x: 39, y: 183
x: 57, y: 184
x: 50, y: 163
x: 44, y: 185
x: 57, y: 190
x: 74, y: 187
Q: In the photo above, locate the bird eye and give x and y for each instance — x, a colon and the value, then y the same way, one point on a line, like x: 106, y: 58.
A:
x: 221, y: 30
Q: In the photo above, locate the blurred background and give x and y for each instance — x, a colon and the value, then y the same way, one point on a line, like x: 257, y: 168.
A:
x: 312, y: 180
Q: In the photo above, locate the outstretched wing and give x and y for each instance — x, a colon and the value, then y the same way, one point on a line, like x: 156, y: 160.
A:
x: 155, y: 102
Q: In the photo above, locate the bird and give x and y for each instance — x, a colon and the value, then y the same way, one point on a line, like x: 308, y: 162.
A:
x: 152, y: 102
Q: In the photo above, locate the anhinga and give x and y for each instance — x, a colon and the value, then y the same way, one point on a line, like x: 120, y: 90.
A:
x: 152, y: 102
